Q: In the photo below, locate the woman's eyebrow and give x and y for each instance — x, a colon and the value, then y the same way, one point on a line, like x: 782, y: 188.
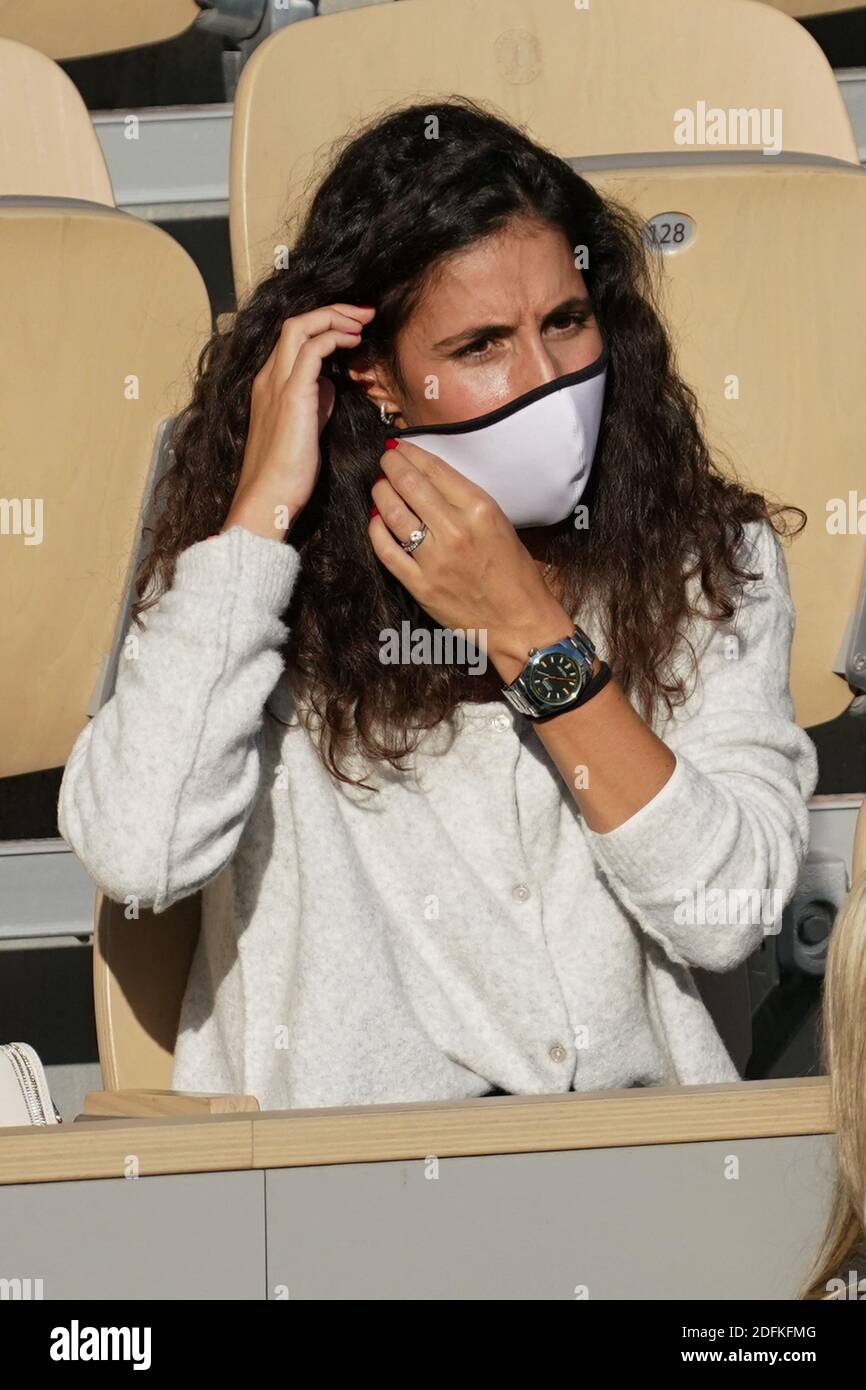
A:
x: 576, y: 304
x: 486, y: 330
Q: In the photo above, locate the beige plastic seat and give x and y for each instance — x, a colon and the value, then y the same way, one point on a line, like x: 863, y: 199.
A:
x: 103, y: 317
x: 92, y: 359
x: 800, y: 9
x: 76, y: 28
x: 140, y: 970
x: 48, y: 146
x: 768, y: 299
x: 605, y: 80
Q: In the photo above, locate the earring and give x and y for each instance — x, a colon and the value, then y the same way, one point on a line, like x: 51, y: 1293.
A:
x: 384, y: 416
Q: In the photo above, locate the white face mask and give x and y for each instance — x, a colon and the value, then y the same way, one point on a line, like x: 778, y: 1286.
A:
x: 533, y: 455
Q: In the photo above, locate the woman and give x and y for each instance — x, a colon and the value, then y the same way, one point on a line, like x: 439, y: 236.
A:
x: 417, y: 886
x: 840, y: 1269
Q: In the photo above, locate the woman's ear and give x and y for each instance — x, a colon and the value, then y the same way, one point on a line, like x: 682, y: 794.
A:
x: 374, y: 382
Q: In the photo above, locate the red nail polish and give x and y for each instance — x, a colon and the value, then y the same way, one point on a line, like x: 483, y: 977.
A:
x: 374, y: 511
x: 381, y: 479
x: 391, y: 443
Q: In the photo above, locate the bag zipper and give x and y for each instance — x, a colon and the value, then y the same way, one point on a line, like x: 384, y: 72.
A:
x: 29, y: 1084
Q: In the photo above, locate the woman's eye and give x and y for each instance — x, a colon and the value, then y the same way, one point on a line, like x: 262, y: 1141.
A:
x: 476, y: 349
x: 568, y: 321
x: 482, y: 347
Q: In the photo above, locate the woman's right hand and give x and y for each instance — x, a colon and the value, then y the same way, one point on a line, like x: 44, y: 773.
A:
x: 290, y: 405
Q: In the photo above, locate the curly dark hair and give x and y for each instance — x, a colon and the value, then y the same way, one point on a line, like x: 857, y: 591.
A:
x: 393, y: 204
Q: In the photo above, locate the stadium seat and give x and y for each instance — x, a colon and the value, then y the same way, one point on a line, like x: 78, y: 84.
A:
x: 93, y: 359
x: 799, y: 9
x: 140, y: 970
x: 78, y: 28
x: 49, y: 146
x: 765, y: 302
x: 576, y: 78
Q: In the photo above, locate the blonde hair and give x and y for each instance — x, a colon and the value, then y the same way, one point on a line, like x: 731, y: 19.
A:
x: 843, y: 1057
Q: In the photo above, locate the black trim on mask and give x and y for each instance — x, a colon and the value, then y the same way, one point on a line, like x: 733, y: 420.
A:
x: 503, y: 411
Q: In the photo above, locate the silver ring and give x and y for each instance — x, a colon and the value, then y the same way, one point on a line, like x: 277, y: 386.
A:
x: 414, y: 540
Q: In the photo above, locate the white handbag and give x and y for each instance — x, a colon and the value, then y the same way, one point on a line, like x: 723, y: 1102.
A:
x: 24, y: 1095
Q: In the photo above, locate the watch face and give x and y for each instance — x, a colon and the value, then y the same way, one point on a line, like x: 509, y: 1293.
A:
x: 556, y: 678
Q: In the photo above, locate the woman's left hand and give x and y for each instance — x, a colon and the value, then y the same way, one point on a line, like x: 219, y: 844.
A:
x: 471, y: 570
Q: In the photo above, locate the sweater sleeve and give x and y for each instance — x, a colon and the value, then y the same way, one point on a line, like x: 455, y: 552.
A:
x: 707, y: 865
x: 160, y: 783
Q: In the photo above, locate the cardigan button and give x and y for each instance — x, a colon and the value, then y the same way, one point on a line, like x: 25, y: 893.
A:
x: 520, y: 892
x: 557, y: 1052
x: 500, y: 721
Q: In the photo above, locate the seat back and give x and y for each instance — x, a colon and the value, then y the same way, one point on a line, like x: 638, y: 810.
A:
x: 140, y: 970
x: 765, y: 305
x: 104, y: 316
x: 577, y: 78
x: 76, y: 28
x: 48, y: 146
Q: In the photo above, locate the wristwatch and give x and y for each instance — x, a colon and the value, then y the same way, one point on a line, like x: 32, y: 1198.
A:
x: 557, y: 678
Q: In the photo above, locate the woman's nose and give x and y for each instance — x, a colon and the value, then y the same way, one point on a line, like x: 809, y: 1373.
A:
x: 542, y: 367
